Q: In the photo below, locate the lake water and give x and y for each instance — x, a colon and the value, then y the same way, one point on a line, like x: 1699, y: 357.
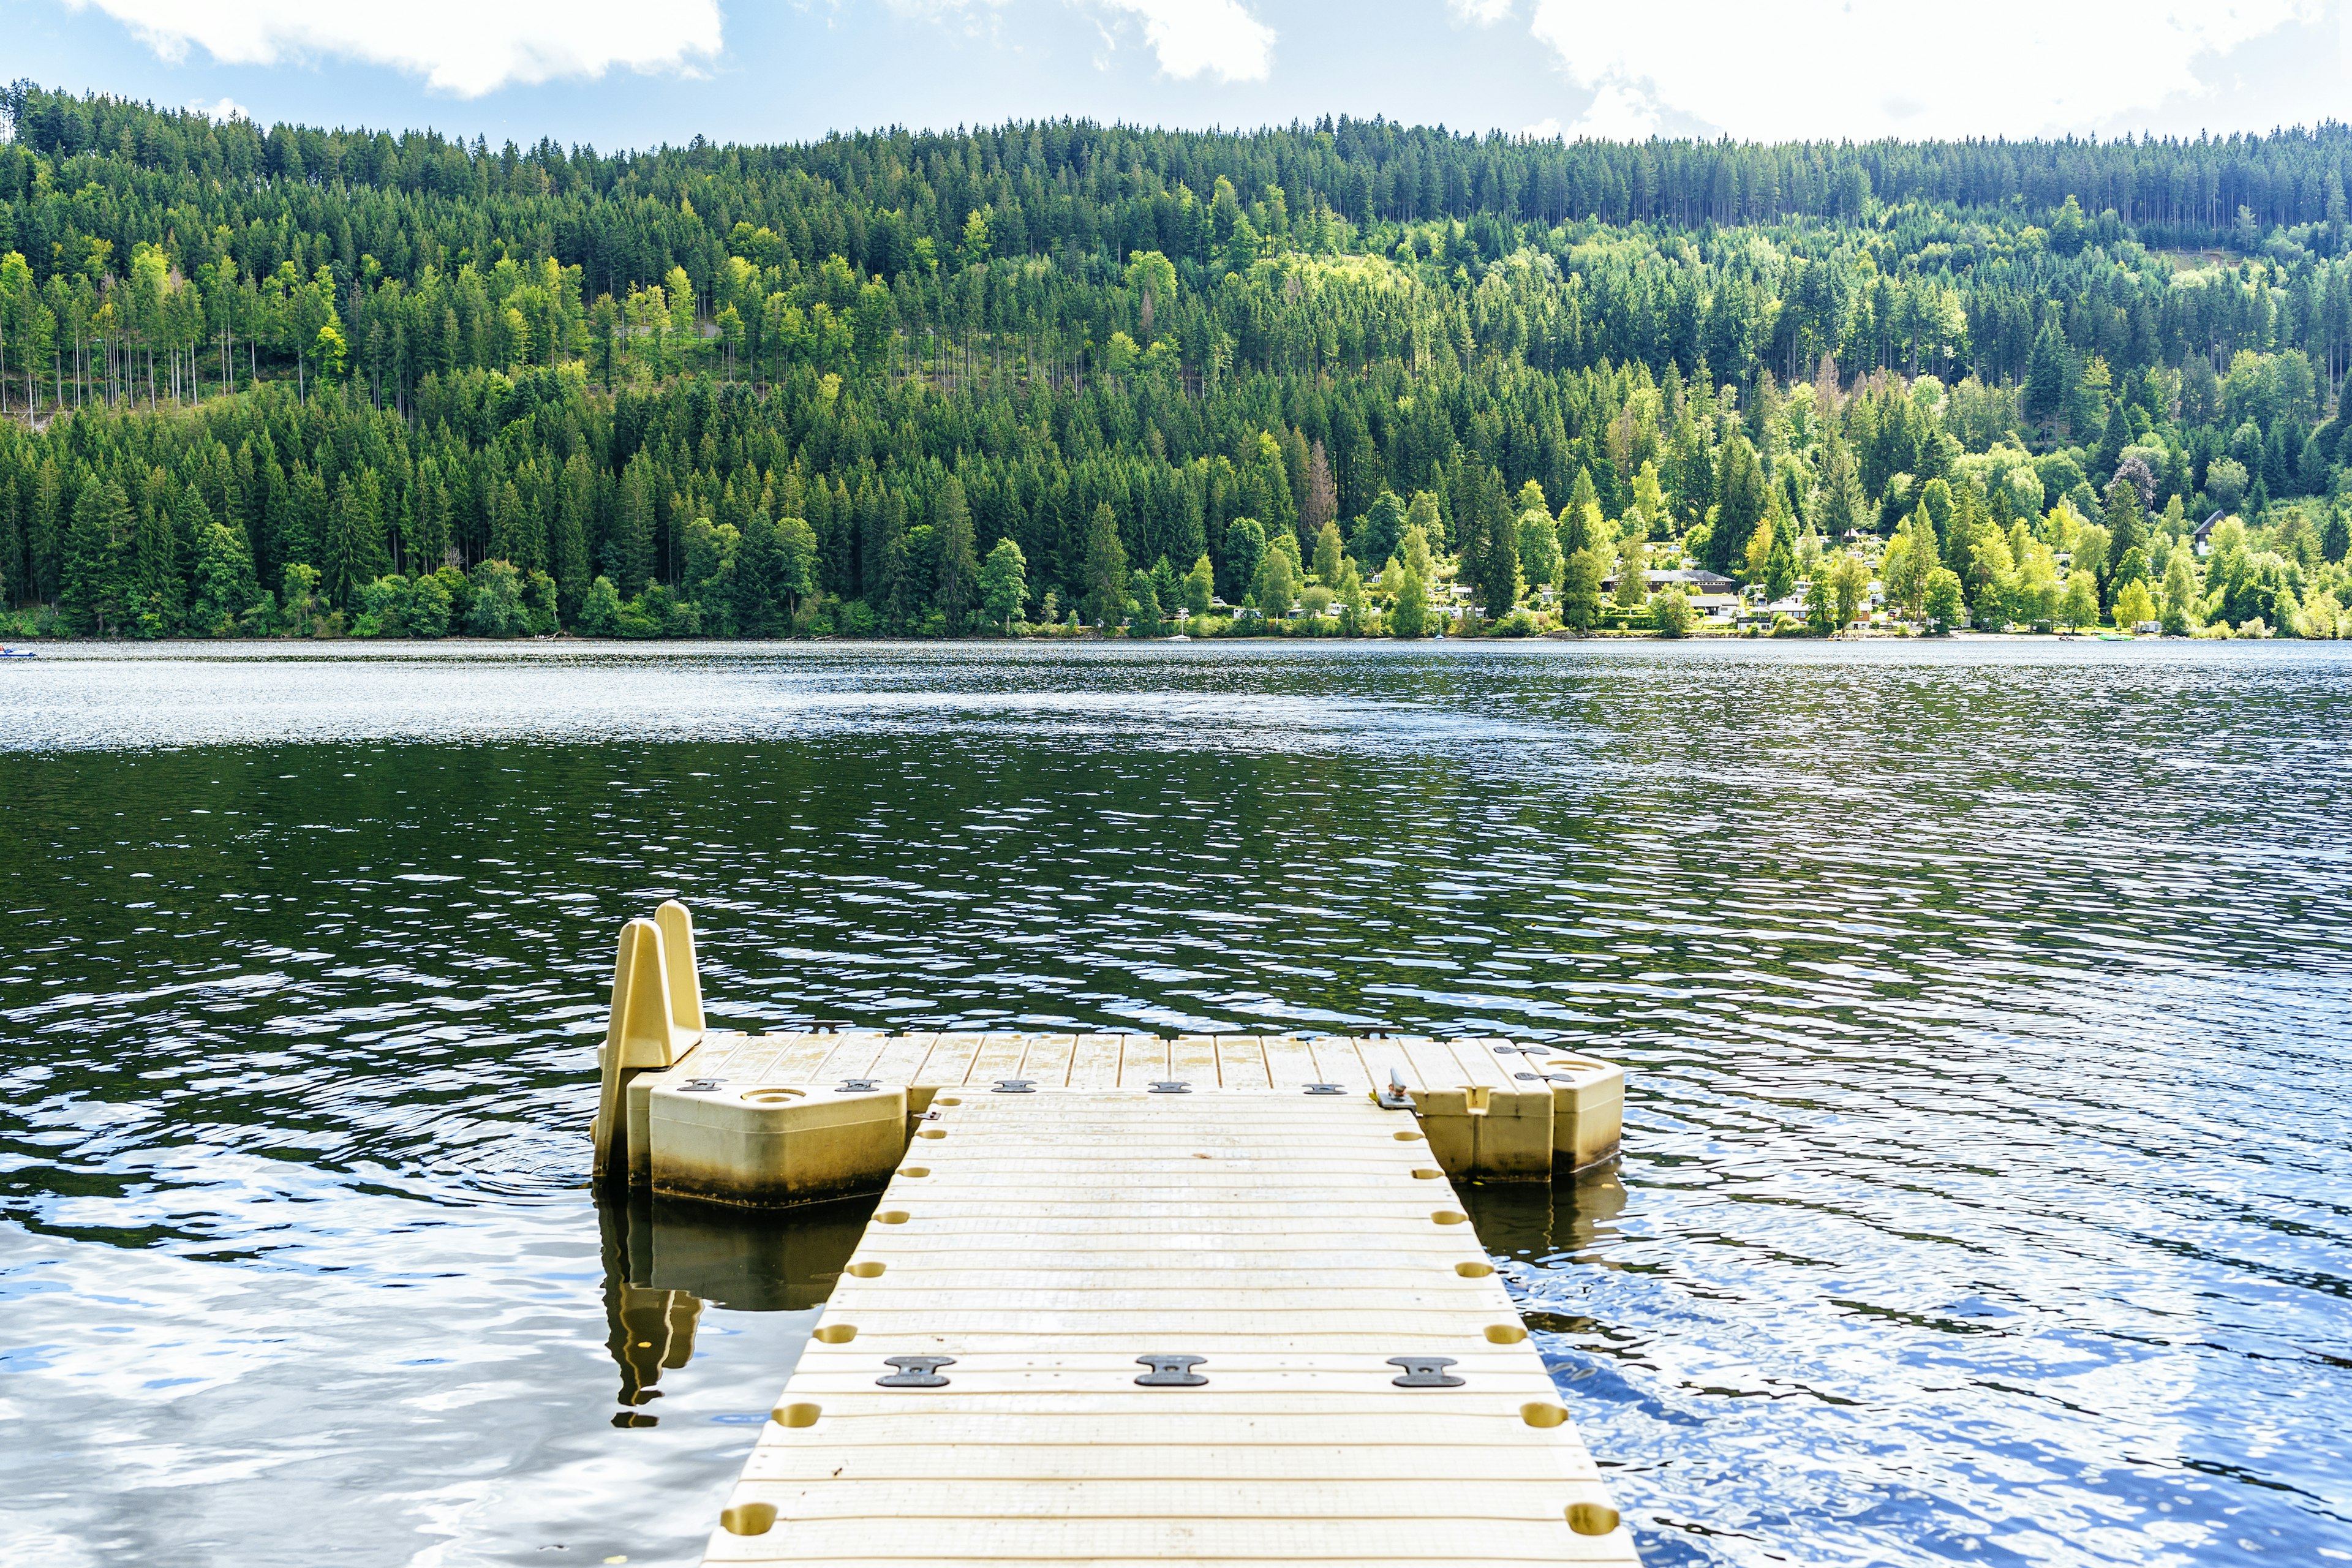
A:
x: 1987, y: 1007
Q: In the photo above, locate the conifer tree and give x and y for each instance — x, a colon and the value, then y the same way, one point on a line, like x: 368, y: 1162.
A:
x: 1490, y: 541
x: 99, y: 593
x: 1580, y: 519
x: 629, y: 552
x: 45, y: 530
x: 352, y: 553
x: 1740, y: 483
x: 304, y: 530
x: 1779, y: 570
x: 567, y: 550
x: 11, y: 549
x: 155, y: 565
x: 959, y: 569
x: 1105, y: 578
x: 1244, y: 546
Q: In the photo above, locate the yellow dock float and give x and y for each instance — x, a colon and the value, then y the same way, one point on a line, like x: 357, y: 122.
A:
x: 1131, y: 1300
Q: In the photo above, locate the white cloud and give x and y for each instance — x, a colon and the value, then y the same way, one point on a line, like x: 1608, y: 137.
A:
x: 1189, y: 37
x: 1196, y: 36
x: 461, y: 48
x: 1618, y: 113
x: 226, y: 108
x: 1483, y: 12
x: 1543, y: 130
x: 1872, y: 67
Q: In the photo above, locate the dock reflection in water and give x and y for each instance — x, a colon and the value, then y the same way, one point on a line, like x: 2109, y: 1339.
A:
x: 665, y: 1260
x: 1546, y: 1222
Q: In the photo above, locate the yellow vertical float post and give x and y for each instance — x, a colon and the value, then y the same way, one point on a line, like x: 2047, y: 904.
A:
x: 643, y: 1031
x: 684, y: 971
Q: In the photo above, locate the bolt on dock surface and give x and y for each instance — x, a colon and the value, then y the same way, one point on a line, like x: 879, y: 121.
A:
x: 1112, y: 1326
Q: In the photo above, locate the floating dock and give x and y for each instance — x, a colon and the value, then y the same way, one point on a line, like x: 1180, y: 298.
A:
x: 1128, y: 1300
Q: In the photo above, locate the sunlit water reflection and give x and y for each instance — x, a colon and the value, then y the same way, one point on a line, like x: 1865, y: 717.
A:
x: 1986, y: 1005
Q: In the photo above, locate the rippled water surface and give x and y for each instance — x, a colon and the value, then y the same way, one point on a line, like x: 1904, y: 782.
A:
x: 1987, y: 1006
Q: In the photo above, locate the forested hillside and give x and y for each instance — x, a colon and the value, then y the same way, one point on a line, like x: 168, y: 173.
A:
x: 1351, y: 376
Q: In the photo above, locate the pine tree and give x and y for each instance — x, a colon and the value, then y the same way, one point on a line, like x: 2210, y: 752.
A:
x: 1840, y: 506
x: 889, y: 585
x: 351, y: 552
x: 1104, y: 588
x: 1745, y: 496
x: 512, y: 530
x: 428, y: 536
x: 1244, y: 543
x: 155, y: 566
x: 1497, y: 566
x: 1779, y: 570
x: 759, y: 609
x: 307, y: 508
x: 1266, y: 483
x: 629, y: 552
x: 12, y: 546
x: 2126, y: 519
x: 1580, y: 519
x: 45, y: 534
x: 2050, y: 378
x: 270, y: 504
x: 568, y: 548
x: 958, y: 569
x: 98, y: 591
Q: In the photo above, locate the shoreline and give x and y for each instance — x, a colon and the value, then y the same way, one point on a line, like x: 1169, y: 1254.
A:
x: 37, y: 649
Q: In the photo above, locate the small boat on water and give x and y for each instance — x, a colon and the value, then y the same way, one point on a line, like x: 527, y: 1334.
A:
x: 2117, y: 637
x: 17, y: 653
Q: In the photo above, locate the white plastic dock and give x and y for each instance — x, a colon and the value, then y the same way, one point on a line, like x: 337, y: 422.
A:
x: 1128, y: 1300
x: 1113, y: 1327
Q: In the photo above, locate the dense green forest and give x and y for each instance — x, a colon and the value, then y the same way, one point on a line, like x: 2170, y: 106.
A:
x: 1351, y: 377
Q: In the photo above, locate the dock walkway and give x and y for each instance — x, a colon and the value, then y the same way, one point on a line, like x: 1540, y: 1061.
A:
x: 1115, y: 1326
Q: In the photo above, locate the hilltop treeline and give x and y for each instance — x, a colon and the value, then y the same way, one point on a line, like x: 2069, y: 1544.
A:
x: 284, y: 380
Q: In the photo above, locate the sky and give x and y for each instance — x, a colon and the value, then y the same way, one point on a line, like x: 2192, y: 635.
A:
x: 635, y: 73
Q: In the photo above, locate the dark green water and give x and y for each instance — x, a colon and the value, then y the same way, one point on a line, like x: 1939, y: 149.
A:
x: 1988, y: 1008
